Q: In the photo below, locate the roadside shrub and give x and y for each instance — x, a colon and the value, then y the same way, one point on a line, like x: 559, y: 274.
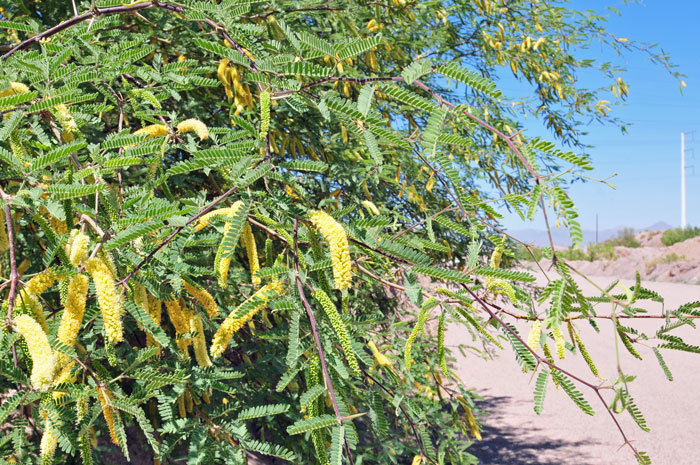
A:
x: 672, y: 236
x: 212, y: 209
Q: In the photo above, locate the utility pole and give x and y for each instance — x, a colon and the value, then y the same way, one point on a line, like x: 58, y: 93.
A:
x: 596, y: 229
x: 683, y: 218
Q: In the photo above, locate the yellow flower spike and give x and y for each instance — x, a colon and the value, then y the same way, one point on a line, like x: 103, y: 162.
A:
x: 203, y: 221
x: 107, y: 298
x: 203, y: 297
x: 49, y: 440
x: 336, y: 237
x: 379, y: 358
x: 177, y: 316
x: 533, y: 338
x: 41, y: 282
x: 200, y: 343
x: 43, y: 359
x: 222, y: 72
x: 79, y: 249
x: 417, y: 460
x: 231, y: 324
x: 66, y: 119
x: 252, y: 252
x: 73, y: 313
x: 560, y: 343
x: 154, y: 309
x: 195, y: 125
x: 105, y: 398
x: 153, y: 130
x: 15, y: 88
x: 31, y: 303
x: 224, y: 265
x: 64, y: 376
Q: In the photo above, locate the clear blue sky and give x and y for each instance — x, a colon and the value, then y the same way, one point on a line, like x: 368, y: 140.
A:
x: 647, y: 158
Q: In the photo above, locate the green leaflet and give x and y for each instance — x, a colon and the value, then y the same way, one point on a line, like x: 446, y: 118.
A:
x: 471, y: 79
x: 262, y: 411
x: 415, y: 70
x: 338, y: 437
x: 568, y: 386
x: 541, y: 390
x: 305, y: 426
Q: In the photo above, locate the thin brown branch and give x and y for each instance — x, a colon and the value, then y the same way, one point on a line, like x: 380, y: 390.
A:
x: 544, y: 361
x: 177, y: 231
x: 419, y: 440
x: 314, y: 330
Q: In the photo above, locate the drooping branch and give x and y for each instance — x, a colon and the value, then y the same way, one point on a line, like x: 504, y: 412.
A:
x: 177, y: 231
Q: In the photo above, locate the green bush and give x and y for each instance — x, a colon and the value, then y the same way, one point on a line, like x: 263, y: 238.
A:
x: 211, y: 209
x: 672, y: 236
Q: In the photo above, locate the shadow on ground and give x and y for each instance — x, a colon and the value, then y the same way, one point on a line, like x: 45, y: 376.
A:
x: 503, y: 444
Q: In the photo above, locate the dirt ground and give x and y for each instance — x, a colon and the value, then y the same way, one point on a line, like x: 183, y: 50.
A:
x: 679, y: 262
x: 563, y: 435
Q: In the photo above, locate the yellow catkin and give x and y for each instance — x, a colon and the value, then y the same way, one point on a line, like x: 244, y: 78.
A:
x: 79, y: 249
x: 252, y: 251
x: 31, y: 303
x: 232, y: 324
x: 203, y: 297
x: 200, y: 343
x: 4, y: 240
x: 533, y: 338
x: 560, y: 343
x: 379, y: 358
x: 154, y: 309
x: 15, y: 88
x: 63, y: 377
x: 195, y: 125
x: 43, y: 359
x: 177, y: 317
x: 224, y: 73
x: 107, y: 298
x: 334, y: 233
x: 74, y: 309
x: 224, y: 265
x: 69, y: 243
x: 105, y: 398
x: 181, y: 406
x: 41, y: 282
x: 180, y: 319
x: 140, y: 297
x: 153, y: 130
x: 70, y: 127
x: 49, y: 440
x: 204, y: 220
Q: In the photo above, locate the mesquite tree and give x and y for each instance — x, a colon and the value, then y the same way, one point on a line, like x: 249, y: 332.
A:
x: 206, y: 204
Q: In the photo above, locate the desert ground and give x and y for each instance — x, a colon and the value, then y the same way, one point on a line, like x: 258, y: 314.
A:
x: 515, y: 435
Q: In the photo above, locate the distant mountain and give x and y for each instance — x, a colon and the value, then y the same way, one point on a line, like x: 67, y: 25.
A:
x: 561, y: 237
x: 658, y: 226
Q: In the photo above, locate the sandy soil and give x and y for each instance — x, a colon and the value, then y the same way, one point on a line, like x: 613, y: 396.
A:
x: 654, y: 261
x: 563, y: 435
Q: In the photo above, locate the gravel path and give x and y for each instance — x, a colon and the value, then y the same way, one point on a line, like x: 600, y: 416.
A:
x: 563, y: 435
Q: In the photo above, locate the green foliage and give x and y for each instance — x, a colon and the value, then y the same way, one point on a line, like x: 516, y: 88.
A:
x: 672, y: 236
x: 288, y: 110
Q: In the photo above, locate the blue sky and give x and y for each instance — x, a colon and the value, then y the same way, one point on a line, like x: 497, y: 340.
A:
x: 647, y: 158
